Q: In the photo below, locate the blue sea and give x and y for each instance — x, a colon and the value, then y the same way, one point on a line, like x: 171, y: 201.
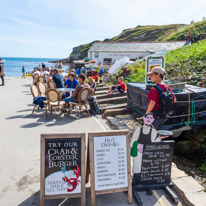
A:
x: 13, y: 65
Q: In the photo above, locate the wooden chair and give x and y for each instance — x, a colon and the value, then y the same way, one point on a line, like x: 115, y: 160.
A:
x: 35, y: 78
x: 54, y: 101
x: 51, y: 84
x: 35, y: 93
x: 41, y: 88
x: 46, y: 78
x: 40, y: 79
x: 83, y: 101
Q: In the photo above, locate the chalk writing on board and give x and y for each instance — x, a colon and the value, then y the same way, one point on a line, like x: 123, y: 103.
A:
x: 110, y: 162
x: 62, y: 166
x: 156, y: 164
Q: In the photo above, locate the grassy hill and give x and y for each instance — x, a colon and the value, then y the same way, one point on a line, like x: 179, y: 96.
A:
x: 197, y: 32
x: 187, y: 63
x: 139, y: 33
x: 173, y: 32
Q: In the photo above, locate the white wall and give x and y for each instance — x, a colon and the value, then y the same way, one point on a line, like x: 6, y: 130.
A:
x: 115, y: 55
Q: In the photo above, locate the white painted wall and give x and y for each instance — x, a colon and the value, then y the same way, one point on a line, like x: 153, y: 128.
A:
x: 115, y: 55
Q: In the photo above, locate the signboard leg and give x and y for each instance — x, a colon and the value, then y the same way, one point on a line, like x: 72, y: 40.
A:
x: 172, y: 195
x: 42, y: 200
x: 137, y: 197
x: 88, y: 164
x: 93, y: 198
x: 129, y: 171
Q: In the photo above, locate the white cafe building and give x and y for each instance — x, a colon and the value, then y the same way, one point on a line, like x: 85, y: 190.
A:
x: 110, y: 52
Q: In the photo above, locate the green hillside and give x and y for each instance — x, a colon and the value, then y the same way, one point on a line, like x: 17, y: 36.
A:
x: 173, y: 32
x: 139, y: 33
x: 197, y: 32
x: 187, y: 63
x: 147, y: 33
x: 80, y: 52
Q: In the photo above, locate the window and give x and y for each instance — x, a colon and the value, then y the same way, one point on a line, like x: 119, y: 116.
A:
x: 96, y: 55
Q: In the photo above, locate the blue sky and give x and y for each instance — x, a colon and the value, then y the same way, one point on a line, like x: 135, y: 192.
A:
x: 51, y: 28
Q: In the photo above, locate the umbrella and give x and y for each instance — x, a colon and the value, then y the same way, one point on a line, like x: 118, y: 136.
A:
x: 118, y: 65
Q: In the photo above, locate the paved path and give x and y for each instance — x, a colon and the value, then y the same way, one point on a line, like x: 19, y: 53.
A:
x: 20, y: 149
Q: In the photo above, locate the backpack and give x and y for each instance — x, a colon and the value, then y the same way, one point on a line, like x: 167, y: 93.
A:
x: 94, y: 107
x: 166, y: 101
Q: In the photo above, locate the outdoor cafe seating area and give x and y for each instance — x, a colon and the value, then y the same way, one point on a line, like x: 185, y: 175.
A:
x: 48, y: 98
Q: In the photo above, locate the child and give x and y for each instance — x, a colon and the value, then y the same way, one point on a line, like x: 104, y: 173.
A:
x: 120, y: 86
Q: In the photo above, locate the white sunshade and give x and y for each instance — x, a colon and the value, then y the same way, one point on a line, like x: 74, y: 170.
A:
x: 119, y: 64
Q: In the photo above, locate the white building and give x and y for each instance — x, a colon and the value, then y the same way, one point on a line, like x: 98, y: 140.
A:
x: 109, y: 52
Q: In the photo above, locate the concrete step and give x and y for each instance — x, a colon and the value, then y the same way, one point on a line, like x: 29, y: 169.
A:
x: 116, y: 106
x: 113, y: 100
x: 117, y: 94
x: 101, y: 92
x: 113, y: 112
x: 102, y: 88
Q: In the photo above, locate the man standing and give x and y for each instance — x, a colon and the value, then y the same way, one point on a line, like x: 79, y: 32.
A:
x: 157, y: 75
x: 23, y: 72
x: 1, y: 72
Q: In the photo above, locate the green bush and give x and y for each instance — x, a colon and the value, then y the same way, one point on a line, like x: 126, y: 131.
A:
x: 187, y: 63
x: 137, y: 73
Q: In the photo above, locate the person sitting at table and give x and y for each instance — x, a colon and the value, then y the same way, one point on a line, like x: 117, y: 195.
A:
x: 58, y: 79
x: 71, y: 82
x: 74, y: 97
x: 120, y: 86
x: 92, y: 85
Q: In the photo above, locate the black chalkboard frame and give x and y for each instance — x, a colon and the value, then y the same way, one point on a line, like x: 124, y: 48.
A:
x: 165, y: 186
x: 146, y: 186
x: 44, y: 197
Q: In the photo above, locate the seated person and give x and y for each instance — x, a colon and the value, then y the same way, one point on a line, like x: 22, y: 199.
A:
x: 36, y: 72
x: 120, y: 86
x: 84, y: 70
x: 92, y: 85
x: 71, y: 82
x: 58, y: 79
x: 78, y: 71
x: 74, y: 97
x: 101, y: 72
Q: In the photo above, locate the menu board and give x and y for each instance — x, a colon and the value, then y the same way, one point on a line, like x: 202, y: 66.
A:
x: 156, y: 164
x: 62, y: 166
x: 110, y: 162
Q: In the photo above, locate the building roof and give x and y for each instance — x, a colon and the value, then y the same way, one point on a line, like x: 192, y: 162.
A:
x: 135, y: 46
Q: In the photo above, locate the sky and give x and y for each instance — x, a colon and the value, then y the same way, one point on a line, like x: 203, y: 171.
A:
x: 51, y: 28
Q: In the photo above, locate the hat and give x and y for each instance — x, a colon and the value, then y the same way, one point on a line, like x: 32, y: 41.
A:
x: 156, y: 70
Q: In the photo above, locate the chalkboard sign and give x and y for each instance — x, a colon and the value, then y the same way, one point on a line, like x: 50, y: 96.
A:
x: 109, y: 163
x: 156, y: 164
x: 62, y: 166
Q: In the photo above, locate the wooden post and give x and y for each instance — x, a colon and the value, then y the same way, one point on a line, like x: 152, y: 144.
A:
x: 129, y: 171
x: 88, y: 164
x: 83, y: 188
x: 42, y: 172
x: 91, y: 162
